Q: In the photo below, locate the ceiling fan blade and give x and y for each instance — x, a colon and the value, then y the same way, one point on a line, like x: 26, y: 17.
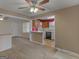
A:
x: 43, y: 2
x: 29, y: 2
x: 40, y: 8
x: 22, y: 7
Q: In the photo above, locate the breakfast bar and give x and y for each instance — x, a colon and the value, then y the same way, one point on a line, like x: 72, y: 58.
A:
x: 37, y: 37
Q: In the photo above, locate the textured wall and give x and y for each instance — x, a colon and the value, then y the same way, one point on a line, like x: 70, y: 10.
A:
x: 67, y: 29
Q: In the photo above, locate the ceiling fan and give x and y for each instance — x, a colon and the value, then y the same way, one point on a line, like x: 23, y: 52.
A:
x: 35, y: 5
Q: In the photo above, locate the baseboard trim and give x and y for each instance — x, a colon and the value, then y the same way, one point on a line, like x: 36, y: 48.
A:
x: 6, y: 49
x: 68, y: 52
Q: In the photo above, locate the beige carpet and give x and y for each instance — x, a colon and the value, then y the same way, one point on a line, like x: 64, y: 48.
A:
x: 3, y: 57
x: 24, y: 49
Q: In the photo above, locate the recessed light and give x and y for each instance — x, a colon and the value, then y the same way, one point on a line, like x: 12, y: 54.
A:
x: 1, y: 19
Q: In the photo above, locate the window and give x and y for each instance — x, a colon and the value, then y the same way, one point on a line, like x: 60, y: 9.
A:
x: 26, y: 27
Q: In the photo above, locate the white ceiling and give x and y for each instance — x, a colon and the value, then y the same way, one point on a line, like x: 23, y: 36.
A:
x: 53, y: 5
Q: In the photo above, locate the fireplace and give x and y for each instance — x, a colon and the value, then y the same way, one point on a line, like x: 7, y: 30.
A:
x: 48, y: 35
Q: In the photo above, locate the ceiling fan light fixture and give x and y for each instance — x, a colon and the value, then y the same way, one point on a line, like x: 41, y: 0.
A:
x: 32, y: 9
x: 36, y: 9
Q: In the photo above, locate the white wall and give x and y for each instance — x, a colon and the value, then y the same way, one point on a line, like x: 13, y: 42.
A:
x: 5, y: 27
x: 16, y: 28
x: 11, y: 27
